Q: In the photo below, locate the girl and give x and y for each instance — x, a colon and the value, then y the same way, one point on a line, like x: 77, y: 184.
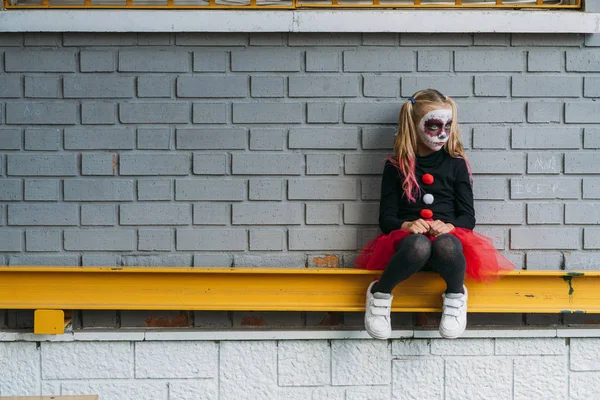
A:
x: 426, y: 215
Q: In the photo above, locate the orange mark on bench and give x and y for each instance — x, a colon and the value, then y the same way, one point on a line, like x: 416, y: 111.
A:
x: 327, y: 261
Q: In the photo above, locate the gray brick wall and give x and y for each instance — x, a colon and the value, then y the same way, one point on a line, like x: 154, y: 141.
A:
x: 237, y: 149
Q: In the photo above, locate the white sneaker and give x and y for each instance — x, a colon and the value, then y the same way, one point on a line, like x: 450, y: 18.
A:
x: 454, y: 314
x: 377, y: 314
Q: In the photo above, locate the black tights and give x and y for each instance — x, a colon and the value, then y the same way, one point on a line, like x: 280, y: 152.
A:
x: 413, y: 253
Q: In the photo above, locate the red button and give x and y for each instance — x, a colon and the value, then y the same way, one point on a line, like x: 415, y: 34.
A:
x: 426, y: 213
x: 427, y: 179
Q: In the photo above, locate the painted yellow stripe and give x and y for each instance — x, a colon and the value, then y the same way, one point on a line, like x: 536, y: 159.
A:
x: 140, y: 288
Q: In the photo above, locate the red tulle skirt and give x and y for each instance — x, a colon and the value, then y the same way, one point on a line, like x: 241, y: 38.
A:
x: 484, y: 262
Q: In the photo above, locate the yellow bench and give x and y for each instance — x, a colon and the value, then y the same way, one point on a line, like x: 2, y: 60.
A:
x: 49, y: 290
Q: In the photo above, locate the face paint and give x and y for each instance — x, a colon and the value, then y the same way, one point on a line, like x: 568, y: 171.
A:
x: 434, y: 128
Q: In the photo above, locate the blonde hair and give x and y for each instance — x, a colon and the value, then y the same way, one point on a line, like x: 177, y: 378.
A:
x: 405, y: 145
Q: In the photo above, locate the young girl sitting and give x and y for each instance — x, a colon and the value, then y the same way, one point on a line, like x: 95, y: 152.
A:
x: 426, y: 215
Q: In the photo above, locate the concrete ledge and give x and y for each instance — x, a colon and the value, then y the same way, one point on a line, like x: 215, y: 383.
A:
x: 463, y: 21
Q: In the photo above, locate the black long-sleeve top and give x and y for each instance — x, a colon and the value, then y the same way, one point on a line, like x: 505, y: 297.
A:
x: 451, y: 189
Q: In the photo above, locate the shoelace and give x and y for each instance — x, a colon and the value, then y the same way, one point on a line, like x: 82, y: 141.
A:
x: 452, y: 307
x: 381, y: 307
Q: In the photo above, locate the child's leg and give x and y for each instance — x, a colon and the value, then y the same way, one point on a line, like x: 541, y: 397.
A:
x: 447, y: 258
x: 412, y: 254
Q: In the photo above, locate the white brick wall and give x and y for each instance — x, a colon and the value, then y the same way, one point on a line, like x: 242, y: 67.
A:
x: 486, y: 368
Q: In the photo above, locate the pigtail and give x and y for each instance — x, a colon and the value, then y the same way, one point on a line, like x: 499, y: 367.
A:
x: 404, y: 150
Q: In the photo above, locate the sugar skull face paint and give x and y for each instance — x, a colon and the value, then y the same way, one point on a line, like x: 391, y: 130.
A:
x: 434, y: 128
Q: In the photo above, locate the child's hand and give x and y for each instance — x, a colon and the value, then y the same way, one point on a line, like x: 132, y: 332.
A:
x: 418, y: 226
x: 437, y: 228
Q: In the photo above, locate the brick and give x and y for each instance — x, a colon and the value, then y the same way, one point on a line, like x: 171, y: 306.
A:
x: 42, y: 189
x: 154, y: 61
x: 40, y: 61
x: 546, y: 138
x: 323, y: 138
x: 212, y: 319
x: 154, y: 164
x: 10, y: 139
x: 546, y: 86
x: 466, y: 375
x: 267, y: 164
x: 265, y: 189
x: 380, y: 60
x: 42, y: 165
x: 42, y: 139
x: 10, y: 87
x: 87, y: 360
x: 541, y: 378
x: 490, y: 137
x: 154, y: 39
x: 544, y: 260
x: 42, y: 86
x: 154, y: 214
x: 267, y: 214
x: 42, y: 240
x: 436, y: 39
x: 11, y: 39
x: 370, y: 188
x: 210, y: 189
x: 583, y: 385
x: 211, y: 214
x: 268, y: 39
x: 267, y: 239
x: 496, y: 213
x: 209, y: 113
x: 434, y: 60
x: 361, y: 213
x: 489, y: 60
x: 98, y: 190
x: 97, y: 61
x: 545, y: 188
x: 582, y: 113
x: 491, y: 86
x: 371, y: 113
x: 211, y: 39
x: 585, y: 354
x: 209, y: 164
x: 213, y: 260
x: 154, y: 113
x: 11, y: 190
x: 42, y: 214
x: 191, y: 390
x: 98, y: 319
x: 212, y: 86
x: 267, y: 139
x: 489, y: 188
x: 154, y: 189
x: 544, y: 111
x: 265, y: 60
x: 304, y: 363
x: 348, y: 367
x: 212, y: 139
x: 322, y: 213
x: 98, y: 214
x: 543, y: 39
x: 418, y: 378
x: 99, y: 39
x: 164, y: 260
x: 267, y: 86
x: 591, y: 188
x: 462, y: 347
x: 98, y: 164
x: 322, y: 239
x: 544, y: 60
x: 41, y: 113
x: 154, y: 86
x: 323, y: 164
x: 583, y: 61
x: 531, y: 346
x: 211, y: 61
x: 212, y: 239
x: 380, y: 86
x: 98, y: 113
x: 582, y: 163
x: 323, y: 86
x: 20, y: 362
x: 378, y: 138
x: 588, y: 261
x: 380, y: 39
x: 364, y: 164
x: 490, y: 112
x: 411, y: 347
x: 544, y: 238
x: 99, y: 260
x: 11, y: 240
x: 324, y: 113
x: 324, y: 39
x: 43, y: 260
x: 544, y: 163
x: 486, y: 162
x: 322, y: 61
x: 455, y: 86
x: 591, y: 87
x: 98, y: 86
x: 154, y: 360
x: 582, y: 213
x: 322, y: 189
x: 154, y: 138
x: 265, y: 113
x: 544, y: 213
x: 43, y: 39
